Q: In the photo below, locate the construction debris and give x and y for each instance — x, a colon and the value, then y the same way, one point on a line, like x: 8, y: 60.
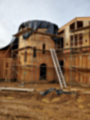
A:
x: 58, y: 92
x: 16, y: 89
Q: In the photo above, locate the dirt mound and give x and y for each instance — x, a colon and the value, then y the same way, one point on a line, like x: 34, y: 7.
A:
x: 53, y: 97
x: 49, y: 96
x: 67, y: 97
x: 18, y: 95
x: 38, y: 96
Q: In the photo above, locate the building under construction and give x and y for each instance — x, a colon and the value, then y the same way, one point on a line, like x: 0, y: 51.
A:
x: 41, y: 52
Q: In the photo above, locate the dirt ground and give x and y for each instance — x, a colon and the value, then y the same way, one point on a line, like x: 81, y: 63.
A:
x: 33, y: 106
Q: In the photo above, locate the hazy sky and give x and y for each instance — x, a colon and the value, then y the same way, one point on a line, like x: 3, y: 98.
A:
x: 14, y: 12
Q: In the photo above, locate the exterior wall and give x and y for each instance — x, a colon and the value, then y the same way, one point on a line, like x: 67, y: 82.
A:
x: 80, y: 68
x: 67, y: 38
x: 6, y: 63
x: 8, y: 71
x: 32, y: 73
x: 80, y: 62
x: 67, y: 34
x: 2, y: 53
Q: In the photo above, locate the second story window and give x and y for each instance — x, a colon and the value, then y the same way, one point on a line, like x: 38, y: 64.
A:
x: 76, y: 40
x: 71, y: 41
x: 80, y: 39
x: 72, y: 26
x: 34, y: 52
x: 43, y: 48
x: 79, y: 24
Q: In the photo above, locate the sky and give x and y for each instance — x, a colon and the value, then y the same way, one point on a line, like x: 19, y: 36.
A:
x: 14, y: 12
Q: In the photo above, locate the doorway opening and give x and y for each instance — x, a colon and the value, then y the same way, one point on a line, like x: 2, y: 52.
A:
x: 43, y: 70
x: 61, y: 42
x: 62, y: 65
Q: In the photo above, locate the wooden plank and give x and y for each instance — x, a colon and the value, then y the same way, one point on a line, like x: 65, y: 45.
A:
x: 16, y: 89
x: 87, y: 92
x: 29, y: 29
x: 83, y: 28
x: 22, y: 32
x: 8, y: 50
x: 33, y: 66
x: 47, y: 34
x: 23, y: 66
x: 29, y: 47
x: 16, y: 50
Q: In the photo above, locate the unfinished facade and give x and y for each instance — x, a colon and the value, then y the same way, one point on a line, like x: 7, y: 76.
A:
x: 31, y: 60
x: 76, y: 56
x: 37, y: 59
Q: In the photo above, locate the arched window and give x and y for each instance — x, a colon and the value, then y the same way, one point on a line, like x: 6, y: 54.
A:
x: 43, y: 48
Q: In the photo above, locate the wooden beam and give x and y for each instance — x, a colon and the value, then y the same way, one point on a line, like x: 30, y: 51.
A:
x: 72, y: 48
x: 79, y: 29
x: 29, y: 29
x: 16, y: 89
x: 28, y: 47
x: 47, y: 34
x: 57, y: 50
x: 8, y: 50
x: 22, y: 32
x: 23, y: 66
x: 17, y: 50
x: 31, y: 66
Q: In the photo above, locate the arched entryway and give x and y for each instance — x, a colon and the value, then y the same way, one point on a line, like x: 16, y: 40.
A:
x: 43, y: 71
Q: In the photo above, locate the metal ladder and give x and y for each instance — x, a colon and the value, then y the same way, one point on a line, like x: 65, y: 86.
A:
x: 57, y: 66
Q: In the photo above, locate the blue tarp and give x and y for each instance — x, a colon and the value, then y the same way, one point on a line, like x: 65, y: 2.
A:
x: 35, y: 24
x: 58, y: 91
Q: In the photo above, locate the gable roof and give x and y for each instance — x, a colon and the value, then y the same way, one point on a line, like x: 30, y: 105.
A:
x: 73, y: 20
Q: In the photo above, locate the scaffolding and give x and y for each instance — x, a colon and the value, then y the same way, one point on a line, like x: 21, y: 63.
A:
x: 32, y: 48
x: 73, y: 52
x: 16, y: 54
x: 78, y: 52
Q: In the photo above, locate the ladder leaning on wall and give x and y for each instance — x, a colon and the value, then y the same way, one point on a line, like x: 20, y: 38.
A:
x: 57, y: 66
